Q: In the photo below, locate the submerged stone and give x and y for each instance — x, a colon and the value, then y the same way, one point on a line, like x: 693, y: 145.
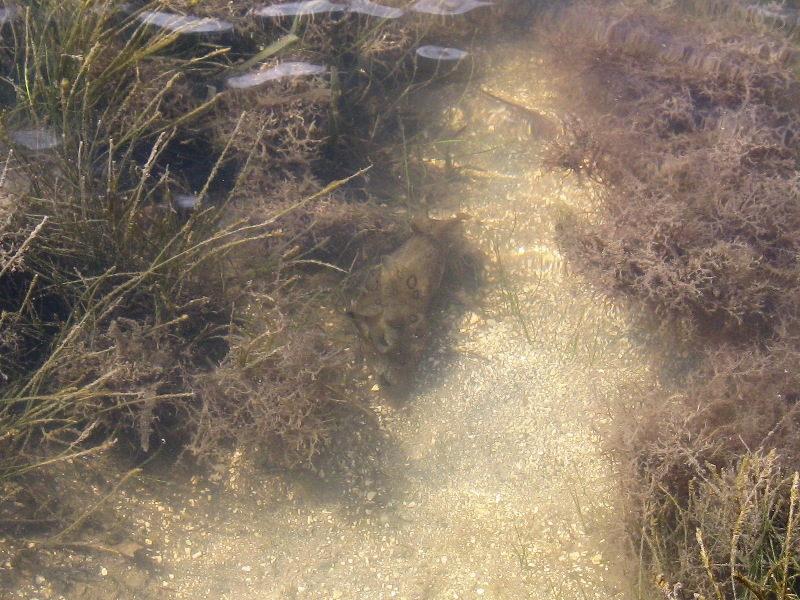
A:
x: 365, y: 7
x: 392, y: 315
x: 448, y: 7
x: 292, y: 9
x: 441, y: 53
x: 37, y: 139
x: 286, y: 69
x: 181, y: 24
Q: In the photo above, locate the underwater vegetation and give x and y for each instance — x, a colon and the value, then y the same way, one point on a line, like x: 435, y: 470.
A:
x: 186, y: 200
x: 686, y: 122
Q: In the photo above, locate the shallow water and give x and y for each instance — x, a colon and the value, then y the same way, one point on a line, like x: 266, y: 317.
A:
x: 490, y: 481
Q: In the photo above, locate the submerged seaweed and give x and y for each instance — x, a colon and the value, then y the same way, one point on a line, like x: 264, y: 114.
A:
x: 688, y: 131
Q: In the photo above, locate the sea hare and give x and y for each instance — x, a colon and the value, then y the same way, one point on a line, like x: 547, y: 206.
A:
x: 392, y: 315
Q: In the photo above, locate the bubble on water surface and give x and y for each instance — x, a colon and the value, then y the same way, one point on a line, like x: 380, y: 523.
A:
x: 365, y: 7
x: 185, y: 24
x: 441, y: 53
x: 309, y: 7
x: 448, y: 7
x: 37, y: 139
x: 286, y: 69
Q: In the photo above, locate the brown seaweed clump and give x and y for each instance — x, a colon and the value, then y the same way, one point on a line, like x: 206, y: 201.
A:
x: 688, y: 130
x: 692, y: 133
x: 393, y: 314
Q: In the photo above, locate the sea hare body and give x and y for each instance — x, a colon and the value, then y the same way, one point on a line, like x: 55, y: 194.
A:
x: 392, y: 315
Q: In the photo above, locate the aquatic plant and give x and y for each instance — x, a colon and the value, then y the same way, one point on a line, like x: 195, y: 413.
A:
x: 178, y: 305
x: 688, y: 131
x: 117, y: 288
x: 708, y: 172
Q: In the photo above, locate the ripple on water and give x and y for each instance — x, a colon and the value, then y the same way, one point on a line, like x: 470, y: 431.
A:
x: 186, y: 201
x: 184, y: 24
x: 365, y: 7
x: 286, y: 69
x: 7, y: 14
x: 448, y: 7
x: 292, y: 9
x: 440, y: 53
x: 37, y: 139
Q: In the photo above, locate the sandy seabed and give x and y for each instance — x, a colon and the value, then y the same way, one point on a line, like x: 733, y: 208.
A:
x: 489, y: 481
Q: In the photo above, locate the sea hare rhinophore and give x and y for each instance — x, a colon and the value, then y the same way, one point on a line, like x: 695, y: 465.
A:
x: 392, y: 315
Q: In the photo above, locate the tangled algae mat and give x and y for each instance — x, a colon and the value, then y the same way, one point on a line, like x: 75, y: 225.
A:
x: 489, y: 482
